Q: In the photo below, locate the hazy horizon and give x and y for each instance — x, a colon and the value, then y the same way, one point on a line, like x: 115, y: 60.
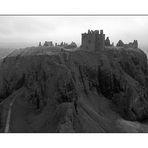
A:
x: 24, y: 31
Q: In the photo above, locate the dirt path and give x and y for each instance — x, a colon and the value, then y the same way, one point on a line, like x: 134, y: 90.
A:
x: 8, y: 116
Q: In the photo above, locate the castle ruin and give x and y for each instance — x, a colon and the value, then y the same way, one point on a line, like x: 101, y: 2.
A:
x: 48, y: 43
x: 62, y: 44
x: 133, y: 44
x: 93, y: 40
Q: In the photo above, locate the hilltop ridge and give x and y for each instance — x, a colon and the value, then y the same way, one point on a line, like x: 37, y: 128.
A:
x: 97, y: 87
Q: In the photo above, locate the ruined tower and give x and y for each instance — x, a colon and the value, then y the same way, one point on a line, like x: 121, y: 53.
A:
x: 135, y: 44
x: 107, y: 42
x: 93, y: 41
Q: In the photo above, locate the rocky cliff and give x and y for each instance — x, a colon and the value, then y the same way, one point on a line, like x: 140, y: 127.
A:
x: 44, y: 89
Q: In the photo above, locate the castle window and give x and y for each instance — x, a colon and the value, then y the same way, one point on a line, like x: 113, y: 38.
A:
x: 89, y: 41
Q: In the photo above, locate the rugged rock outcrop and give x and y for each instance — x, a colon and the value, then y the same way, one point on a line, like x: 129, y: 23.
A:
x: 80, y: 91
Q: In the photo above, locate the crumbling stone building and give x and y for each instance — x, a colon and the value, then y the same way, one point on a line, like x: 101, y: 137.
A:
x: 120, y: 43
x: 133, y: 44
x: 107, y: 42
x: 48, y: 43
x: 93, y: 40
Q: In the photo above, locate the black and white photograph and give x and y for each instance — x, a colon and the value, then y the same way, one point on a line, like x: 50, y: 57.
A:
x: 73, y: 74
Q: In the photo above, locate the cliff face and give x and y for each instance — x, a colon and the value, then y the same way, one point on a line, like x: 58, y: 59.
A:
x: 42, y: 91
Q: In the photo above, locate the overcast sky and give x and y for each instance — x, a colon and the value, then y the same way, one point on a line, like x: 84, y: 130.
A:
x: 23, y: 31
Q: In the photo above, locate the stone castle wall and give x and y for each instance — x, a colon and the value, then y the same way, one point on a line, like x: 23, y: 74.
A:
x: 93, y: 40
